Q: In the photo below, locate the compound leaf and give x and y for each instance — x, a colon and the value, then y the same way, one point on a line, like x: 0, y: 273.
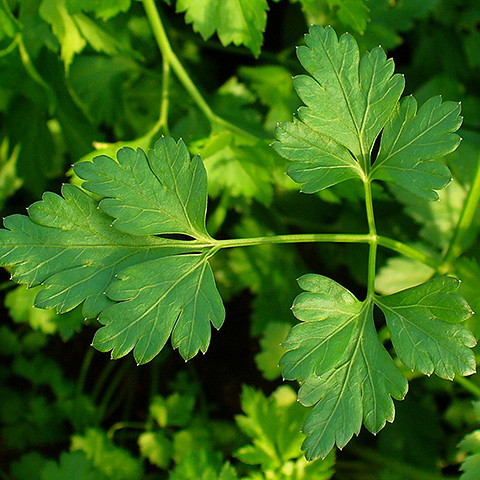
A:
x: 164, y: 193
x: 425, y: 331
x: 242, y: 22
x: 342, y: 366
x: 348, y: 102
x: 410, y: 139
x: 79, y: 253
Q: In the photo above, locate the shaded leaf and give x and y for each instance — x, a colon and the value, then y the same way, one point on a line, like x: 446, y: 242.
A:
x: 72, y: 466
x: 240, y: 23
x: 156, y: 447
x: 114, y: 462
x: 65, y: 29
x: 103, y: 9
x: 352, y: 13
x: 274, y: 424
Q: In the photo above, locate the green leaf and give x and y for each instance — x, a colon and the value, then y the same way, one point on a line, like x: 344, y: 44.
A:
x: 175, y: 410
x: 68, y: 245
x: 240, y: 23
x: 164, y: 193
x: 400, y: 273
x: 412, y: 139
x: 65, y: 29
x: 344, y: 369
x: 471, y: 465
x: 103, y: 9
x: 274, y: 424
x: 78, y: 253
x: 352, y: 13
x: 156, y: 447
x: 9, y: 180
x: 271, y: 350
x: 425, y: 331
x: 242, y: 170
x: 72, y: 466
x: 177, y: 297
x: 114, y: 462
x: 348, y: 102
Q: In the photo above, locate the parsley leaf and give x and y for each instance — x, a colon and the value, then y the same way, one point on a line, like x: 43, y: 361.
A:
x: 424, y: 324
x: 79, y: 253
x: 344, y: 369
x: 274, y: 424
x: 240, y: 23
x: 164, y: 193
x: 347, y: 374
x: 173, y: 295
x: 412, y: 138
x: 349, y: 102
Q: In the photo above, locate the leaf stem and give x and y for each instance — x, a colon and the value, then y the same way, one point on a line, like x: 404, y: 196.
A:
x: 408, y: 251
x: 386, y: 242
x: 163, y: 120
x: 372, y: 230
x: 171, y: 58
x: 121, y: 425
x: 294, y: 238
x: 465, y: 220
x: 87, y: 360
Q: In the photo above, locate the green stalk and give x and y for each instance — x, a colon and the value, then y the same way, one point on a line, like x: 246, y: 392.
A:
x: 87, y: 360
x: 163, y: 121
x: 121, y: 425
x: 372, y: 229
x: 466, y: 217
x: 408, y: 251
x: 110, y: 391
x: 172, y: 59
x: 387, y: 242
x: 294, y: 238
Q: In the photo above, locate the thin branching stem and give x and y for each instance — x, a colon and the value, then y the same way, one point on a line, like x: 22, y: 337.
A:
x: 467, y: 214
x: 171, y: 58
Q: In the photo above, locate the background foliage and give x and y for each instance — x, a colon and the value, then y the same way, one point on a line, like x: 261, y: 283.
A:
x: 79, y: 78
